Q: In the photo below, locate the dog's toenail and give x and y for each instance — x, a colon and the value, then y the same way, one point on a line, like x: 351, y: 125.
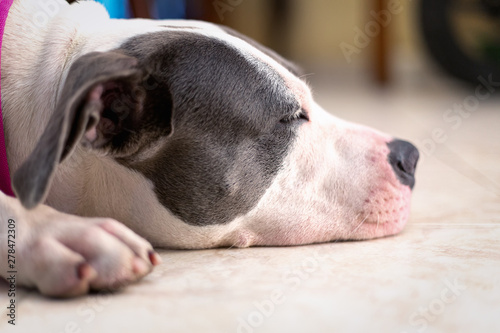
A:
x: 139, y: 266
x: 85, y: 271
x: 154, y: 258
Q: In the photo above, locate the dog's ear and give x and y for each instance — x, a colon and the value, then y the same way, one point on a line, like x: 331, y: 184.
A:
x: 99, y: 103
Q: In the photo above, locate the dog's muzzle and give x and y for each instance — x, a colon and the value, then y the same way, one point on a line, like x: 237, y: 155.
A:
x: 403, y: 158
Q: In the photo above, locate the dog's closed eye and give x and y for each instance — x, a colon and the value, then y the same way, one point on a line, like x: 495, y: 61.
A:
x: 300, y: 114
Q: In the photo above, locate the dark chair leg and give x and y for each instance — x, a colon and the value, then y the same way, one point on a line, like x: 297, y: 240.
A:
x: 140, y: 8
x: 381, y: 49
x: 279, y: 27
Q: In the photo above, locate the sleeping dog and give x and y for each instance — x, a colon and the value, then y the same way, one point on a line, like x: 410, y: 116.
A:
x: 187, y: 133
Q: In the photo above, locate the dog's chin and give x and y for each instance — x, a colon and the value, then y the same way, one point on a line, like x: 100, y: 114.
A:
x: 384, y: 214
x: 383, y: 210
x: 376, y: 221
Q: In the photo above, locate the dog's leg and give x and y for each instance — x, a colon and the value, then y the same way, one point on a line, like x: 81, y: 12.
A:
x: 64, y: 255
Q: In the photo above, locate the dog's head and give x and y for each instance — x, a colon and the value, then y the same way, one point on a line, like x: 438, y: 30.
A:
x: 224, y: 145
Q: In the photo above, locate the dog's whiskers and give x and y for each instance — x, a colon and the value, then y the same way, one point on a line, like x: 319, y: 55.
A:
x: 359, y: 225
x: 306, y: 75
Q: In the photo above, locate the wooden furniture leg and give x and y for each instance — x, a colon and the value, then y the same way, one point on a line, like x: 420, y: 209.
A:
x: 381, y: 49
x: 140, y: 8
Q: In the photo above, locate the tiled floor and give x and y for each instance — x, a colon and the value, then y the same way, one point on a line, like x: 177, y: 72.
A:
x: 442, y: 274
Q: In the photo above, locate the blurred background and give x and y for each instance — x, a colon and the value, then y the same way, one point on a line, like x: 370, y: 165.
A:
x: 381, y: 42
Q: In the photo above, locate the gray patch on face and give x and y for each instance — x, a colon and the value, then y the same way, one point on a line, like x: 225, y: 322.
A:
x: 229, y: 138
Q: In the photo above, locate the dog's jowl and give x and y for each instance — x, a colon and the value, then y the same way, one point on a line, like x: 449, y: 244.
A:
x: 188, y: 134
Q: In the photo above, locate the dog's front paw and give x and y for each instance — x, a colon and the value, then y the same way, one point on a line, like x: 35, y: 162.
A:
x: 64, y: 255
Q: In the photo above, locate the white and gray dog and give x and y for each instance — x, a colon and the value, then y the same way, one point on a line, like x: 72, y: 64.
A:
x: 187, y: 133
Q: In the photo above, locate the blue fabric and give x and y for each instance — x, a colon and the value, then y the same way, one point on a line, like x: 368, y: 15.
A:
x: 161, y: 9
x: 170, y: 9
x: 116, y: 8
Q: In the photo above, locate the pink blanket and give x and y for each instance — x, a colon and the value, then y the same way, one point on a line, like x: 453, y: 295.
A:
x: 5, y: 186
